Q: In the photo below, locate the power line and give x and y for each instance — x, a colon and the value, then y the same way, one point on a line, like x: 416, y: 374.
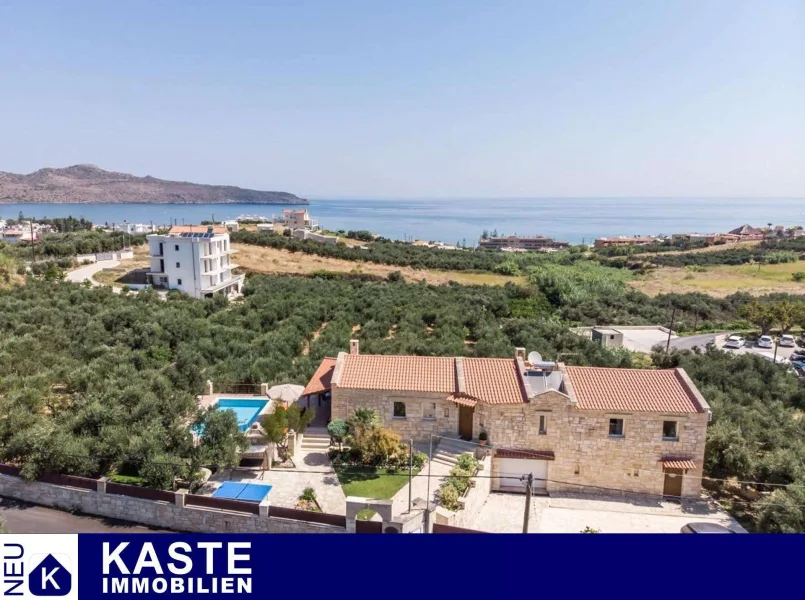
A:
x: 542, y: 454
x: 360, y: 467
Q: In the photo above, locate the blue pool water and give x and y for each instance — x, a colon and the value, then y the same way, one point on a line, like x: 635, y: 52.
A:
x: 250, y: 492
x: 246, y: 411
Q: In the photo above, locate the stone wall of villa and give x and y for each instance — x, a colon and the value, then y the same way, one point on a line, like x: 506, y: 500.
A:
x: 587, y: 458
x: 418, y: 405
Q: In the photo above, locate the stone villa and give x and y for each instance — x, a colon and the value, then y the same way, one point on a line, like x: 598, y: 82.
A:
x: 575, y: 429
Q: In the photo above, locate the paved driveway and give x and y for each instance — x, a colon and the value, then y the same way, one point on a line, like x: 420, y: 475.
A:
x: 81, y: 274
x: 504, y: 513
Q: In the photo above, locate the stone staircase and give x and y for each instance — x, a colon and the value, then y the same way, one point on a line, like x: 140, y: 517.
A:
x: 316, y: 440
x: 448, y: 451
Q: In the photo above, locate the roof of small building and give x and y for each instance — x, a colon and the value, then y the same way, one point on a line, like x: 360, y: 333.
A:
x: 638, y: 390
x: 745, y: 230
x: 606, y: 330
x: 402, y: 373
x: 322, y: 378
x: 178, y: 229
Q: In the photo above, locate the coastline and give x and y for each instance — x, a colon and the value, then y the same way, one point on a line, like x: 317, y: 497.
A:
x: 575, y: 221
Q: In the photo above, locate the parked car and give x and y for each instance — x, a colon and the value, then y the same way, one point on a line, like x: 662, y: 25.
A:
x: 787, y: 340
x: 735, y: 341
x: 765, y: 341
x: 705, y: 528
x: 798, y: 355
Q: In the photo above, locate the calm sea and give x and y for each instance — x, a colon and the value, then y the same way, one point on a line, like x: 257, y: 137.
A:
x: 571, y: 219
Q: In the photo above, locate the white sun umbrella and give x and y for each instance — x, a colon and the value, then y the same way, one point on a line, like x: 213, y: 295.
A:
x: 287, y: 392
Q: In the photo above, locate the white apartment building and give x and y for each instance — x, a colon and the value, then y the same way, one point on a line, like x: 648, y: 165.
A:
x: 134, y: 228
x: 195, y: 259
x: 296, y: 219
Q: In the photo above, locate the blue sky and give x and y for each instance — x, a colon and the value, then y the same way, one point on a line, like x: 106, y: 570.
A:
x: 416, y: 98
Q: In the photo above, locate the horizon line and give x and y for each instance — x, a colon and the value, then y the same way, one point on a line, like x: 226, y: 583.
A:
x: 624, y: 197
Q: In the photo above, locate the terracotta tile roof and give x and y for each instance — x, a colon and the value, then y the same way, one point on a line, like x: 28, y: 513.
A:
x: 462, y: 399
x: 677, y: 463
x: 639, y: 390
x: 493, y: 380
x: 403, y: 373
x: 490, y: 380
x: 527, y: 454
x: 320, y: 382
x: 195, y: 229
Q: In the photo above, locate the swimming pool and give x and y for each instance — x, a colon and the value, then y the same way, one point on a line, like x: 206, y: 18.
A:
x: 250, y: 492
x: 246, y: 411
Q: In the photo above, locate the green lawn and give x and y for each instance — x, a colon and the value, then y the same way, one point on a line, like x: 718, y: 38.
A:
x: 127, y: 479
x: 368, y: 482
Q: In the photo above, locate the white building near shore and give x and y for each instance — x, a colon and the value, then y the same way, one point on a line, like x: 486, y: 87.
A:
x: 195, y: 259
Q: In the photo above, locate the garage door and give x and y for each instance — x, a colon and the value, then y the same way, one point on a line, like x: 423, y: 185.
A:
x: 510, y: 470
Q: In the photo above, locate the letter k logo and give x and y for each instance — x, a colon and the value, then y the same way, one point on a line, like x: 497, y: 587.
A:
x: 50, y: 578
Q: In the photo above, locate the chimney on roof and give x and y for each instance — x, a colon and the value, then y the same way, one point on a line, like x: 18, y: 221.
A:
x: 210, y: 229
x: 354, y: 347
x: 519, y: 353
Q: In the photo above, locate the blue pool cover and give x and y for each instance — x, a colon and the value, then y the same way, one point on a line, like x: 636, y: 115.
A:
x: 250, y: 492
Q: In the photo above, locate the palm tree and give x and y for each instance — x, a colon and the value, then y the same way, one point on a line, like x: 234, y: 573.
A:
x: 363, y: 419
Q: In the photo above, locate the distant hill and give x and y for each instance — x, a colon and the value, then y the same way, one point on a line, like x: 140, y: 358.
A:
x: 89, y: 184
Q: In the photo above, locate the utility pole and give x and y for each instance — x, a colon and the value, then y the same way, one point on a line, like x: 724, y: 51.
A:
x: 427, y: 497
x: 410, y: 470
x: 775, y: 352
x: 529, y: 482
x: 670, y: 329
x: 33, y: 244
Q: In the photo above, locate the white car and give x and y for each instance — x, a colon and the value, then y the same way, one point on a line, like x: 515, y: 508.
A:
x: 765, y: 341
x: 787, y: 340
x: 735, y: 342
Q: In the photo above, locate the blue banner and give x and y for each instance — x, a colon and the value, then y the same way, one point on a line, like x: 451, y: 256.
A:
x: 89, y: 566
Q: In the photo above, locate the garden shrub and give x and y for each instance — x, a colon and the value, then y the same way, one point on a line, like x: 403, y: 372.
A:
x: 420, y: 458
x: 467, y: 462
x: 448, y: 497
x: 338, y: 430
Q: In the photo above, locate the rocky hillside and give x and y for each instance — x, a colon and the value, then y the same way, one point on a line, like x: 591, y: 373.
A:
x: 89, y: 184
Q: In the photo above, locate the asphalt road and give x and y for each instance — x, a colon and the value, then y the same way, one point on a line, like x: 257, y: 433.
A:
x: 693, y: 341
x: 21, y: 517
